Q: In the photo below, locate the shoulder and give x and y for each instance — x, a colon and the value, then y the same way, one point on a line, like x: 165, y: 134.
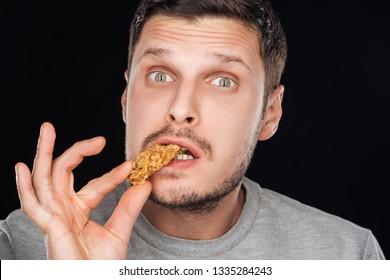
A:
x: 304, y: 226
x: 282, y: 209
x: 306, y: 216
x: 20, y: 238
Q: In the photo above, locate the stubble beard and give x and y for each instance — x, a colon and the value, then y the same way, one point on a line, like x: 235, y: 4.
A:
x: 195, y: 204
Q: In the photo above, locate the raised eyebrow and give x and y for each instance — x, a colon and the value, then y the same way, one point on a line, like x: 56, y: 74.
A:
x: 160, y: 52
x: 224, y: 58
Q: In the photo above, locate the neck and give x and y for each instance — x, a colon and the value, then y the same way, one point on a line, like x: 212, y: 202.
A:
x: 205, y: 226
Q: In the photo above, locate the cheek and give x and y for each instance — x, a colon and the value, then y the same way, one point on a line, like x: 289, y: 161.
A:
x: 234, y: 127
x: 140, y: 108
x: 239, y: 120
x: 138, y: 111
x: 142, y: 119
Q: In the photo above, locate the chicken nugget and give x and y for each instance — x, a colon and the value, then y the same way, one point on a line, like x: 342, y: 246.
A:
x: 151, y: 160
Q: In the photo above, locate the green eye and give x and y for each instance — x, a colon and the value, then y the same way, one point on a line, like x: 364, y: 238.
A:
x: 160, y: 77
x: 223, y: 82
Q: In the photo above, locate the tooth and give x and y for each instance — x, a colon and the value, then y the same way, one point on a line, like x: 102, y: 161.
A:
x: 184, y: 157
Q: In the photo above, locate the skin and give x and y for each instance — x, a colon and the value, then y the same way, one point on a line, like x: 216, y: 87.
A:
x: 47, y: 196
x: 193, y: 58
x: 199, y: 56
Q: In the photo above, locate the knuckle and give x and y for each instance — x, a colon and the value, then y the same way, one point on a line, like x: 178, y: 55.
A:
x: 40, y: 180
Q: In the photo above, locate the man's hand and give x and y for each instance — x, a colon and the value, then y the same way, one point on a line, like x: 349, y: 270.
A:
x: 47, y: 196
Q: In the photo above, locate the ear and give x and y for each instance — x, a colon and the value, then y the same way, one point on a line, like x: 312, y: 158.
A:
x: 272, y: 114
x: 124, y: 97
x: 126, y: 74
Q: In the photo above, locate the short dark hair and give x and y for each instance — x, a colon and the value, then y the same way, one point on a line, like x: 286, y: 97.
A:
x: 257, y: 14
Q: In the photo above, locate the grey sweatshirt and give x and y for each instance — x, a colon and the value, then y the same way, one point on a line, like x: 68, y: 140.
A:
x: 271, y: 226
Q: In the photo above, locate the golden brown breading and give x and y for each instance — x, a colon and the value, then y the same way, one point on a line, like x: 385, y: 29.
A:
x: 151, y: 160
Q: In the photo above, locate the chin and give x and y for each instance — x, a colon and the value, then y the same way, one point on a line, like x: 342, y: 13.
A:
x: 175, y: 188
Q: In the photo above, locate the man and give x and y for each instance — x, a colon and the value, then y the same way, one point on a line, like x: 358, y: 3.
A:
x: 204, y: 75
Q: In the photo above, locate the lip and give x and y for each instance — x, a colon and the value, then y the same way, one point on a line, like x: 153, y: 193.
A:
x: 197, y: 153
x: 180, y: 164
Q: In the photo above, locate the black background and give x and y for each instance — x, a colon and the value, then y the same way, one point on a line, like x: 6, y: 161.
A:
x: 64, y: 63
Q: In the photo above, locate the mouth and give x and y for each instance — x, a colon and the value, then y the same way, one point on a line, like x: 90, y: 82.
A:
x: 188, y: 151
x: 185, y: 154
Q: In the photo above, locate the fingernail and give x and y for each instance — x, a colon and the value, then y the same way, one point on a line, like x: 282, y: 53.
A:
x: 94, y: 138
x: 16, y: 172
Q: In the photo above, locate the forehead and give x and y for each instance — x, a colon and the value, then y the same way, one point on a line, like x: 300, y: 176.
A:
x: 202, y: 35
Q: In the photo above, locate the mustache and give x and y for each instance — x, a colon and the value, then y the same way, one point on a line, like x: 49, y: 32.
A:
x: 184, y: 132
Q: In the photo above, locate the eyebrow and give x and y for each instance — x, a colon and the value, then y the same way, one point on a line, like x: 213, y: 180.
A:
x: 160, y: 52
x: 224, y: 58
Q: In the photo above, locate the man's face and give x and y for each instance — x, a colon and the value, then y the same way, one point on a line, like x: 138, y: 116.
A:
x: 199, y: 85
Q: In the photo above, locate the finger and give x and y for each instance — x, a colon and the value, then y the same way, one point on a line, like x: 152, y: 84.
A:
x: 28, y: 200
x: 63, y: 166
x: 41, y: 178
x: 126, y: 213
x: 94, y: 192
x: 45, y: 147
x: 26, y: 193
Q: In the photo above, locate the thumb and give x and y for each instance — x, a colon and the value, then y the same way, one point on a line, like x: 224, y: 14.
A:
x: 127, y: 211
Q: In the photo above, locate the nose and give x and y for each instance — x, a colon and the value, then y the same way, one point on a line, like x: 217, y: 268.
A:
x: 183, y: 108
